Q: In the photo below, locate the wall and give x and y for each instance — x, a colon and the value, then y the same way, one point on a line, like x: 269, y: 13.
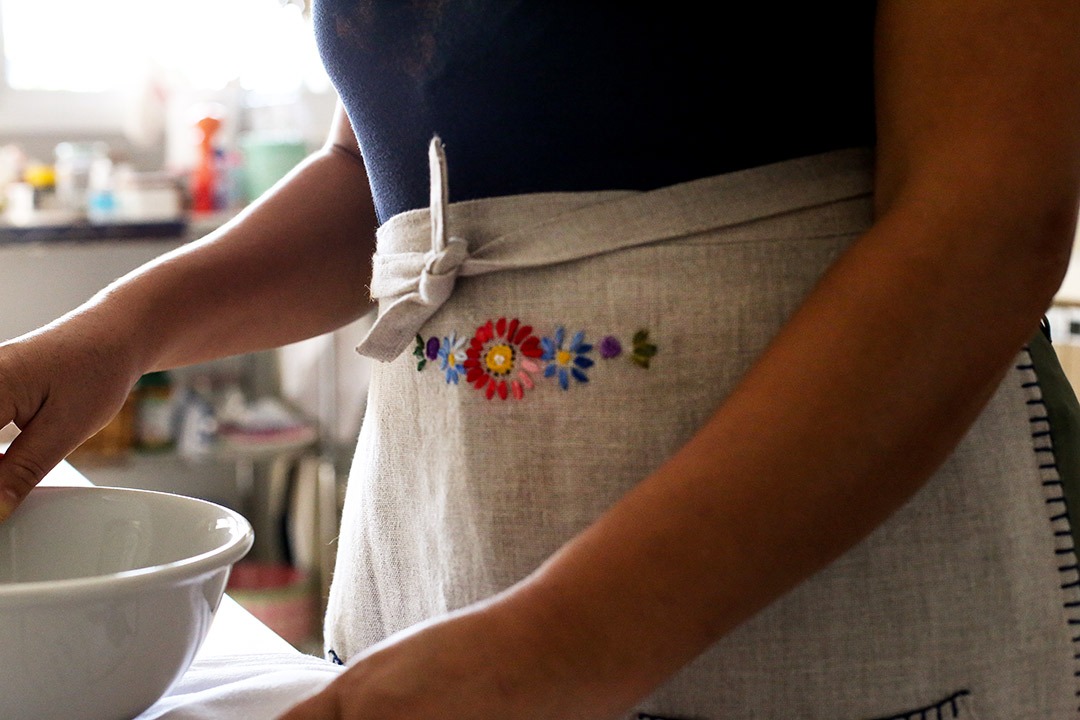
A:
x: 1070, y: 286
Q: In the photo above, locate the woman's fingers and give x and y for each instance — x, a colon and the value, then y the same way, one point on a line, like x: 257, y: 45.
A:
x: 32, y: 454
x: 59, y: 387
x: 23, y: 395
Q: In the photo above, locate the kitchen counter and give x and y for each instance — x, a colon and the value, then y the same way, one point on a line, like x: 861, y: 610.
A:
x: 43, y: 279
x: 87, y: 232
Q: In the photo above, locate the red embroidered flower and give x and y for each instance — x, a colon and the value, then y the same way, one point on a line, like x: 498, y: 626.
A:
x: 501, y: 355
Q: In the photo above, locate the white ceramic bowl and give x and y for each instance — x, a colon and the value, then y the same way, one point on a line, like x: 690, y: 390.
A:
x: 105, y: 595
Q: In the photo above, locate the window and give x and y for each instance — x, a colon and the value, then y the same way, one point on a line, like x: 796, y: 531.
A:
x: 64, y: 61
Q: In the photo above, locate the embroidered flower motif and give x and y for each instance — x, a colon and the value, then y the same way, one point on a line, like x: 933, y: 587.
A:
x: 565, y: 362
x: 643, y: 349
x: 501, y: 355
x: 452, y: 357
x: 610, y: 347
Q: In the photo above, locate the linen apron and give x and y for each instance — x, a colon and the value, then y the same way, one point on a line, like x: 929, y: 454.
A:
x: 545, y: 352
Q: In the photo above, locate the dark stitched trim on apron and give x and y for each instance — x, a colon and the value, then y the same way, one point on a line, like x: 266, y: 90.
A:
x: 947, y: 708
x: 1063, y: 410
x: 940, y: 710
x: 1055, y: 408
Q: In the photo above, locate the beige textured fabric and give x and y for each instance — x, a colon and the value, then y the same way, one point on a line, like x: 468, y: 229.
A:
x: 959, y: 606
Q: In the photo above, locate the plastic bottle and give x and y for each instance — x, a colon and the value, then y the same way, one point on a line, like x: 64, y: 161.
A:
x: 113, y: 441
x: 154, y: 412
x: 73, y: 163
x: 205, y: 176
x: 42, y: 178
x: 100, y: 197
x: 197, y: 424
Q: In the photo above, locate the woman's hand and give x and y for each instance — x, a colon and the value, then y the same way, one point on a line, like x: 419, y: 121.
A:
x: 476, y: 664
x: 59, y: 385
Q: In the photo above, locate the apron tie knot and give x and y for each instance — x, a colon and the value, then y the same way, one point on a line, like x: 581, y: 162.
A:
x: 441, y: 270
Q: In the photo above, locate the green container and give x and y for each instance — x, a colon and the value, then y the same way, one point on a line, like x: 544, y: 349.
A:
x: 267, y: 160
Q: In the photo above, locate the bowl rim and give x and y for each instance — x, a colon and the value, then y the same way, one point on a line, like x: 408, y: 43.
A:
x: 118, y: 583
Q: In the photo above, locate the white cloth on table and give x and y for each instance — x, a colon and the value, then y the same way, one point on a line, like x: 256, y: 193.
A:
x: 252, y: 687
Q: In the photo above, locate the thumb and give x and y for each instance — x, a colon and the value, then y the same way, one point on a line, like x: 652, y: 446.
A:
x: 322, y: 706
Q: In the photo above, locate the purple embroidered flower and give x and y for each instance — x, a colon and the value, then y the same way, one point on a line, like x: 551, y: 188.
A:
x: 432, y: 350
x: 566, y: 362
x: 610, y: 347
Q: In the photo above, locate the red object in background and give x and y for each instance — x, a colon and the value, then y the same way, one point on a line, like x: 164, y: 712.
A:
x: 204, y: 177
x: 282, y: 597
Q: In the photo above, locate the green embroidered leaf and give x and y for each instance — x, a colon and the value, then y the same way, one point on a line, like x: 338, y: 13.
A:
x: 643, y: 349
x: 420, y: 365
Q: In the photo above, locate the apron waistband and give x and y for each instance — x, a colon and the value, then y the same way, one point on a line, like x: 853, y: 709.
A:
x: 411, y: 286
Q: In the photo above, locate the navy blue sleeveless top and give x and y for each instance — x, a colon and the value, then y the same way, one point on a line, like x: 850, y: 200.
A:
x: 540, y: 95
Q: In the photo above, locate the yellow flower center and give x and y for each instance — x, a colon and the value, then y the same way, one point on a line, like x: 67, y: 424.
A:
x: 450, y: 360
x: 563, y: 357
x: 500, y: 359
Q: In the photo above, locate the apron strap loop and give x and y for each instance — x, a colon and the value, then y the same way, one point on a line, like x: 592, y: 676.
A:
x: 433, y: 282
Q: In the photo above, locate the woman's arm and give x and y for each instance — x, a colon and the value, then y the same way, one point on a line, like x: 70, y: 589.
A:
x: 295, y: 264
x: 904, y: 340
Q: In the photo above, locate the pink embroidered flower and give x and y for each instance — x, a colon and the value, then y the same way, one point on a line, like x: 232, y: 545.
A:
x: 501, y: 355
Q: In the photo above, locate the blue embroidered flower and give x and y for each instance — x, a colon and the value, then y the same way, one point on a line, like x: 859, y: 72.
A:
x: 565, y: 362
x: 452, y: 357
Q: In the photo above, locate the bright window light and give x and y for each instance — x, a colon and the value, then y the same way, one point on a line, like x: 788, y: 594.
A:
x: 75, y: 45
